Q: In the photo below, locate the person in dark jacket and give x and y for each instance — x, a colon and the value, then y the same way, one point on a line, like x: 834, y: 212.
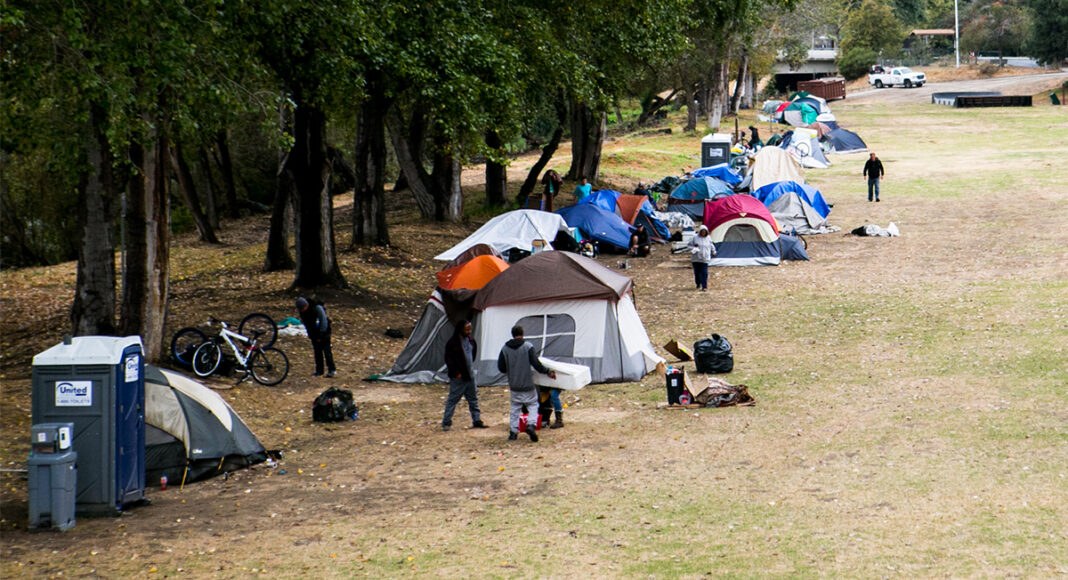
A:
x: 873, y: 170
x: 639, y: 242
x: 460, y: 352
x: 315, y: 321
x: 516, y: 360
x: 754, y: 137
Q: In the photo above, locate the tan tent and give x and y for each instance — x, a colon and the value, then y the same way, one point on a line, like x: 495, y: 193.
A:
x: 774, y: 164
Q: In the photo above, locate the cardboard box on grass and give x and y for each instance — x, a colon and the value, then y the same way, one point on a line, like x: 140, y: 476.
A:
x: 680, y: 352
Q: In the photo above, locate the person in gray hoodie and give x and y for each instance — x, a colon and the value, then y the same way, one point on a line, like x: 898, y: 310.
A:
x: 516, y: 360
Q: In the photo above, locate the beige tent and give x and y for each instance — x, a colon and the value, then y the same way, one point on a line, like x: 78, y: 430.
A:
x: 774, y: 164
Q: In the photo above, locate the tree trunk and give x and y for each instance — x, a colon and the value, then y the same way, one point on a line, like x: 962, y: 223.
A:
x: 750, y: 88
x: 222, y: 142
x: 739, y: 85
x: 649, y: 112
x: 278, y: 256
x: 692, y: 110
x: 718, y: 91
x: 189, y: 195
x: 411, y: 166
x: 445, y: 184
x: 211, y: 206
x: 496, y: 173
x: 547, y: 152
x: 309, y: 173
x: 93, y: 310
x: 369, y: 219
x: 588, y: 129
x: 342, y: 176
x: 144, y: 300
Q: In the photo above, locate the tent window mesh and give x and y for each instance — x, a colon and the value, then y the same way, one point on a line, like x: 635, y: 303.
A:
x: 553, y: 335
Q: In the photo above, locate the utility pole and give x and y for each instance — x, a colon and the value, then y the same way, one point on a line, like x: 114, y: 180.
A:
x: 956, y: 31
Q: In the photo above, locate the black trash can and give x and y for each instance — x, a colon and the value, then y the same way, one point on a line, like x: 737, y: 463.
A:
x: 675, y: 385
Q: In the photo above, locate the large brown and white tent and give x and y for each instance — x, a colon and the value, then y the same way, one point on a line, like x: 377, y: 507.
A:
x: 572, y: 308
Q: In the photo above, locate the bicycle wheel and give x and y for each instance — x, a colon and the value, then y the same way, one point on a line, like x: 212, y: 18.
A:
x: 269, y: 366
x: 185, y: 343
x: 259, y: 322
x: 206, y: 359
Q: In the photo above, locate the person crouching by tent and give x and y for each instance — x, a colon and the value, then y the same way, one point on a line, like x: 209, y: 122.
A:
x: 639, y: 242
x: 460, y: 353
x: 516, y: 360
x: 701, y: 252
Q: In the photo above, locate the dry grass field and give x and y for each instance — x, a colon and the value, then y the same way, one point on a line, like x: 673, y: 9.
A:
x: 911, y: 417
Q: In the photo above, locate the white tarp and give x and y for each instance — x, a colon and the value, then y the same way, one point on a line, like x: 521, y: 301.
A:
x: 515, y: 229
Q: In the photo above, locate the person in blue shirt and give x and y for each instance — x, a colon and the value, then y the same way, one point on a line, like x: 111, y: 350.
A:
x: 582, y: 190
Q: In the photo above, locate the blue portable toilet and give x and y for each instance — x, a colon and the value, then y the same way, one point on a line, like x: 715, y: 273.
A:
x: 98, y: 384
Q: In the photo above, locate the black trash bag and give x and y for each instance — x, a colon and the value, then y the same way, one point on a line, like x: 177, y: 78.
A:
x: 713, y: 355
x: 334, y: 405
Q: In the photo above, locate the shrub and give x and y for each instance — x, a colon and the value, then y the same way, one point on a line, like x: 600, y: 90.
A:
x: 855, y: 62
x: 987, y: 69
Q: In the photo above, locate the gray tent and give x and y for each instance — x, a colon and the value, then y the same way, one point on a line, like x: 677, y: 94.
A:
x: 794, y: 214
x: 191, y: 433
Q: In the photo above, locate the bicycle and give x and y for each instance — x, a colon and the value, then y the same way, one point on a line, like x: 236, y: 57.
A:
x: 185, y: 342
x: 267, y: 365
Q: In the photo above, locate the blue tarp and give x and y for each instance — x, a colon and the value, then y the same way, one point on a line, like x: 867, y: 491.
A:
x: 810, y: 195
x: 602, y: 198
x: 598, y: 224
x: 701, y: 188
x: 722, y: 172
x: 792, y: 248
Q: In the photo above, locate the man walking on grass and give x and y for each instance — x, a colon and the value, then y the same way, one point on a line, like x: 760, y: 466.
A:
x: 516, y: 360
x: 873, y: 170
x: 460, y: 354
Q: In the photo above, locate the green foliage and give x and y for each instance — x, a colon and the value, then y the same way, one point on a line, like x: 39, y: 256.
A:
x: 909, y: 12
x: 995, y: 25
x: 1048, y: 35
x: 873, y: 26
x: 856, y: 62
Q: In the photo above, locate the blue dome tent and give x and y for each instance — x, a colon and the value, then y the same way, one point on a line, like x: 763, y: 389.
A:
x: 602, y: 198
x: 604, y: 227
x: 700, y: 189
x: 722, y: 172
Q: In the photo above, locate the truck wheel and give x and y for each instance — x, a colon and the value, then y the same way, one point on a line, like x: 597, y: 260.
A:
x: 878, y: 84
x: 908, y: 84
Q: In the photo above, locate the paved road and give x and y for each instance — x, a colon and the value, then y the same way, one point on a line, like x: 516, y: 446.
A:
x: 1017, y: 85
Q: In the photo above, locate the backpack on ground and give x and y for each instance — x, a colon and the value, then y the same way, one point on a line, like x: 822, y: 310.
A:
x: 713, y: 355
x: 334, y: 405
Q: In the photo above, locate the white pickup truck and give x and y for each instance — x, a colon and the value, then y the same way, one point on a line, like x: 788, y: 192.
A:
x: 899, y: 76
